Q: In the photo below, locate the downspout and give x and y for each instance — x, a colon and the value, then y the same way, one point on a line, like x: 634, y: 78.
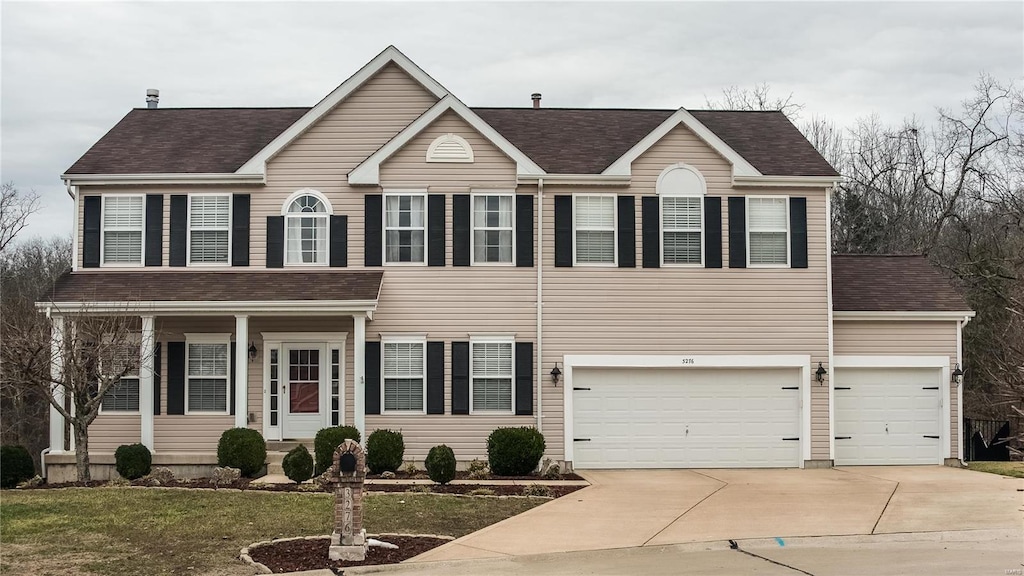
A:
x: 960, y: 390
x: 831, y: 323
x: 540, y: 305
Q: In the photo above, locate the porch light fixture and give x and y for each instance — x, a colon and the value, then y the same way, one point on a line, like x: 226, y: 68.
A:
x: 819, y: 374
x: 252, y: 352
x: 555, y: 374
x: 957, y: 374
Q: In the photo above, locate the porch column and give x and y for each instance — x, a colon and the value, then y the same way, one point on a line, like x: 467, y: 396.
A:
x: 147, y: 351
x: 56, y: 368
x: 359, y: 370
x: 241, y: 370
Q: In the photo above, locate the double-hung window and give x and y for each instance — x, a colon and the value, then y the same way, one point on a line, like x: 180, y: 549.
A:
x: 122, y: 229
x: 209, y: 222
x: 405, y: 367
x: 594, y: 229
x: 208, y: 369
x: 491, y: 375
x: 492, y: 229
x: 768, y: 230
x: 123, y: 396
x: 681, y: 218
x: 404, y: 227
x: 306, y: 231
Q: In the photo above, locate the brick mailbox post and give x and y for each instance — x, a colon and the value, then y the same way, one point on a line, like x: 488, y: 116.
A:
x: 348, y: 541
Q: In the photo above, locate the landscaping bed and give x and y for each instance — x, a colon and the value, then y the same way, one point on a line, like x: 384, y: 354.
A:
x: 312, y: 553
x: 466, y: 475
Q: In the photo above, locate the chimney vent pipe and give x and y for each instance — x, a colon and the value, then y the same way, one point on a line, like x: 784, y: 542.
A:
x: 152, y: 98
x: 536, y: 100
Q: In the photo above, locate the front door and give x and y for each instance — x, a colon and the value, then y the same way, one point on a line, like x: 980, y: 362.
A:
x: 305, y: 390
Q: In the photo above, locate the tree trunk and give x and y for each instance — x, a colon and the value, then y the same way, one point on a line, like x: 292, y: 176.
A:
x: 82, y: 451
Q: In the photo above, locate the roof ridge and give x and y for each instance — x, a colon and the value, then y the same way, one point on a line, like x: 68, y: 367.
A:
x: 599, y: 109
x: 224, y: 108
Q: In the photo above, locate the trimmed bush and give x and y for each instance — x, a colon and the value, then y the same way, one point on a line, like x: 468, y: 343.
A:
x: 133, y: 461
x: 242, y: 448
x: 514, y: 451
x: 298, y: 464
x: 384, y: 451
x: 327, y: 441
x: 15, y: 466
x: 441, y: 464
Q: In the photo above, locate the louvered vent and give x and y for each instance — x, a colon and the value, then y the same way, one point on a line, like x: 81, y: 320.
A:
x: 450, y: 148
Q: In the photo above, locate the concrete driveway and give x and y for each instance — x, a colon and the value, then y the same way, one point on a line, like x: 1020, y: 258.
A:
x: 636, y: 508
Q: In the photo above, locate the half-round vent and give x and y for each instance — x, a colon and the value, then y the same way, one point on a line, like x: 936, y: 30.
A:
x: 449, y: 148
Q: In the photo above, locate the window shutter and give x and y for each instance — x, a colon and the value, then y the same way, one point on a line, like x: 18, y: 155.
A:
x: 737, y: 232
x: 712, y: 232
x: 460, y: 377
x: 154, y: 229
x: 524, y: 230
x: 371, y: 366
x: 157, y: 369
x: 175, y: 377
x: 231, y: 379
x: 275, y: 241
x: 373, y: 232
x: 460, y: 229
x: 650, y: 217
x: 91, y: 206
x: 524, y: 378
x: 627, y: 232
x: 435, y: 377
x: 563, y: 230
x: 179, y: 230
x: 435, y: 230
x: 339, y: 241
x: 798, y: 232
x: 240, y: 229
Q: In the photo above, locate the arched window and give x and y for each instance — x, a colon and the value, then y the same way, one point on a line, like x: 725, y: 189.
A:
x: 449, y: 148
x: 305, y: 226
x: 681, y: 188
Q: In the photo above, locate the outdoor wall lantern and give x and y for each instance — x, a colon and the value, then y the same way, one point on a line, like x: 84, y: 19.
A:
x: 252, y: 352
x: 819, y: 374
x: 957, y: 374
x: 555, y: 374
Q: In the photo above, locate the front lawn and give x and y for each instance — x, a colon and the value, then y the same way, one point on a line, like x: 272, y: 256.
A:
x: 1015, y: 469
x: 123, y: 531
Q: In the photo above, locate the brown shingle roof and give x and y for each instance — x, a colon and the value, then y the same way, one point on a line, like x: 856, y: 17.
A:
x: 869, y: 283
x: 215, y: 286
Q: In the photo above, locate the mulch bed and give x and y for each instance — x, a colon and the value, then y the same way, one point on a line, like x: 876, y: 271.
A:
x: 464, y: 475
x: 296, y: 555
x: 498, y: 490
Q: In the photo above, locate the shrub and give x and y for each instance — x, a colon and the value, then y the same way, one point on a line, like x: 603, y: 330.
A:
x: 537, y: 490
x: 384, y: 451
x: 242, y: 448
x: 298, y: 464
x: 133, y: 461
x: 480, y: 492
x: 478, y: 469
x: 514, y: 451
x: 15, y: 466
x: 441, y: 464
x: 327, y: 441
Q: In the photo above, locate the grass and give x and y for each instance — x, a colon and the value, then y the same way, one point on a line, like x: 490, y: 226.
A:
x: 123, y: 531
x: 1015, y: 469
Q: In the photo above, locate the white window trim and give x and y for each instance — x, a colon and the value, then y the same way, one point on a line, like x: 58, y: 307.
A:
x: 135, y: 376
x: 209, y: 338
x: 384, y: 226
x: 662, y: 194
x: 188, y: 236
x: 473, y: 228
x: 474, y: 340
x: 407, y: 339
x: 103, y: 233
x: 615, y: 232
x: 789, y: 233
x: 326, y: 216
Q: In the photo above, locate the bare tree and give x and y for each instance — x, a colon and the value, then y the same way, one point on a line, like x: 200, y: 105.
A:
x: 15, y: 208
x: 758, y: 97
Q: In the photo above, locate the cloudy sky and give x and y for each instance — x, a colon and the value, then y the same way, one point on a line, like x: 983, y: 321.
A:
x: 70, y: 71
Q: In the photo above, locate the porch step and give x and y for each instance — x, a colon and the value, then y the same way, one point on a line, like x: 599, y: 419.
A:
x: 277, y: 450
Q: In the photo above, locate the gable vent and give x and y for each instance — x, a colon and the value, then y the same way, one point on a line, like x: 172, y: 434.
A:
x: 449, y: 148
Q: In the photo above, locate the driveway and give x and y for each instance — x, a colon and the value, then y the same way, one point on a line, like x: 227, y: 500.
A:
x: 648, y: 508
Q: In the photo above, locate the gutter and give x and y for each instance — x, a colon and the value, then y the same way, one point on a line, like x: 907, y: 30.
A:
x: 960, y: 388
x: 540, y: 305
x: 831, y: 322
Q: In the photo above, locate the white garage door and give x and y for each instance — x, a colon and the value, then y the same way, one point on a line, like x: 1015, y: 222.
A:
x: 888, y: 416
x: 686, y: 418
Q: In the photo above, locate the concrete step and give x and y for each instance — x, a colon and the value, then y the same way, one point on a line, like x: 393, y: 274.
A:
x: 287, y: 445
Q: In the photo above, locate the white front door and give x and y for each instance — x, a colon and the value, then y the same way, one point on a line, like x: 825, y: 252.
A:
x: 305, y: 390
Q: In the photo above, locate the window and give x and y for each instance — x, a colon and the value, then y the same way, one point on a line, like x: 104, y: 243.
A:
x: 404, y: 370
x: 207, y: 381
x: 122, y: 229
x: 123, y: 396
x: 491, y: 375
x: 492, y: 229
x: 209, y: 221
x: 681, y: 218
x: 594, y: 224
x: 404, y: 224
x: 306, y: 231
x: 768, y: 230
x: 449, y: 148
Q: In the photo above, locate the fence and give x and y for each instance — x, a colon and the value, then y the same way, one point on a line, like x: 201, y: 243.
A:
x: 986, y: 440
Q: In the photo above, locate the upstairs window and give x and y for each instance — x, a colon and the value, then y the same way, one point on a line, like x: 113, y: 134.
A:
x: 681, y: 189
x: 122, y: 229
x: 404, y: 226
x: 492, y: 229
x: 768, y: 230
x: 594, y: 229
x: 405, y: 367
x: 209, y: 221
x: 306, y: 231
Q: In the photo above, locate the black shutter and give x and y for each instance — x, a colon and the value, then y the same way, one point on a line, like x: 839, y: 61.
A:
x: 175, y: 377
x: 524, y: 378
x: 435, y: 377
x: 737, y: 232
x: 798, y: 231
x: 240, y: 229
x: 435, y: 230
x: 157, y: 369
x: 154, y: 229
x: 231, y: 380
x: 373, y: 215
x: 371, y: 365
x: 179, y: 230
x: 460, y: 377
x: 712, y: 232
x: 563, y: 230
x: 627, y: 232
x: 275, y: 241
x: 339, y: 241
x: 524, y: 230
x: 650, y: 217
x: 92, y: 207
x: 460, y: 229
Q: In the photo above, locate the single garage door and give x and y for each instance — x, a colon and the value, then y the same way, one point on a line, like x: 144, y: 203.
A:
x: 888, y: 416
x: 686, y: 418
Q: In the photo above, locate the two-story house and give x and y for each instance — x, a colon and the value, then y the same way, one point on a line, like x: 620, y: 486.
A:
x: 649, y: 288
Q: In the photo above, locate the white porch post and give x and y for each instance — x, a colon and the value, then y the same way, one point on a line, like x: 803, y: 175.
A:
x: 147, y: 350
x: 56, y: 367
x: 359, y: 374
x: 241, y: 370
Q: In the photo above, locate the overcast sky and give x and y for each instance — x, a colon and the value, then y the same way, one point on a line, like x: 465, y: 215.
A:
x: 70, y: 71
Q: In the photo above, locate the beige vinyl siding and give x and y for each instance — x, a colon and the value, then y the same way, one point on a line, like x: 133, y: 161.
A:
x: 903, y: 338
x: 110, y: 430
